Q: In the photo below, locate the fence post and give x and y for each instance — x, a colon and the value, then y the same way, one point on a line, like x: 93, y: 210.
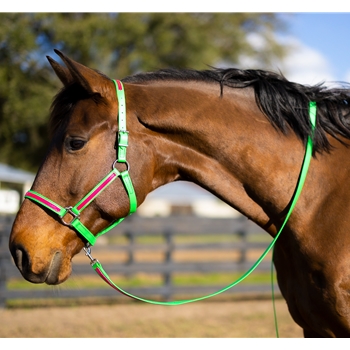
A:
x: 242, y: 234
x: 2, y: 282
x: 5, y: 224
x: 168, y: 259
x: 131, y: 250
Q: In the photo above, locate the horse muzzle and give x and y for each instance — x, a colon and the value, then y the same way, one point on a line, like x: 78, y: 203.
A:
x: 36, y: 270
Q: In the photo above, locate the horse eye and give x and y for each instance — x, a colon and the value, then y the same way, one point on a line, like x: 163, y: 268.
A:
x: 76, y: 145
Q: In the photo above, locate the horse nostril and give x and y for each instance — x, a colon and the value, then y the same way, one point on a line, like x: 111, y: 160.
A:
x: 21, y: 258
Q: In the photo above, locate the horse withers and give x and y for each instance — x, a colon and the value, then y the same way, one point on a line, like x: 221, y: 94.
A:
x: 240, y: 134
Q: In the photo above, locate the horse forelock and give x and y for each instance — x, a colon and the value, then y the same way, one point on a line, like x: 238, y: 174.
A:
x: 283, y: 102
x: 63, y: 106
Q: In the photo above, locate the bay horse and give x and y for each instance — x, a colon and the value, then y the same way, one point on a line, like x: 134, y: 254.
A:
x: 239, y: 134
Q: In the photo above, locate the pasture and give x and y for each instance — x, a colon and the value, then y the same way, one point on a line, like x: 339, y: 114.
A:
x: 232, y: 315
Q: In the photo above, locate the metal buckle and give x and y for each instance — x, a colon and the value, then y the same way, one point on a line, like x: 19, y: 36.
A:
x: 70, y: 211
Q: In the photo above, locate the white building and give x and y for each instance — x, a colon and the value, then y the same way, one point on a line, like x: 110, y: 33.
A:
x: 14, y: 183
x: 184, y: 198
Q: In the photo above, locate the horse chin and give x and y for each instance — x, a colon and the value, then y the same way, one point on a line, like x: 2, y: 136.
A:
x: 53, y: 275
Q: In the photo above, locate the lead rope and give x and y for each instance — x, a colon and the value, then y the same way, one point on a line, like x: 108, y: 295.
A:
x: 303, y: 173
x: 97, y: 266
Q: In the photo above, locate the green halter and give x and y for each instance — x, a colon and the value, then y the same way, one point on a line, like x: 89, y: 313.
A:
x: 76, y: 210
x: 125, y: 178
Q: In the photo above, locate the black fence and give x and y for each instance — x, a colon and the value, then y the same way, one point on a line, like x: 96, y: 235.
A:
x: 165, y: 247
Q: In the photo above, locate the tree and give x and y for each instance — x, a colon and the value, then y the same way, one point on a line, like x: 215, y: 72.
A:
x: 116, y: 44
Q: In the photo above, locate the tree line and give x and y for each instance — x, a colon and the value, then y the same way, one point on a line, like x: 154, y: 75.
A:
x: 117, y: 44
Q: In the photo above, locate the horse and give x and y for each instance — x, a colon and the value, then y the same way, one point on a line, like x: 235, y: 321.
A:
x: 240, y: 134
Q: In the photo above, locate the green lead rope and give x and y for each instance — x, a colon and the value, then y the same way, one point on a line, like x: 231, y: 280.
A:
x: 96, y: 265
x: 303, y: 173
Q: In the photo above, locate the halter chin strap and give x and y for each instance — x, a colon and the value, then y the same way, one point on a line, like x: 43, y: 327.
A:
x: 76, y: 210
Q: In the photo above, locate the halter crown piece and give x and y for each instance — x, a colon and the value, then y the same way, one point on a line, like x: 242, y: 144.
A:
x: 126, y: 180
x: 76, y: 210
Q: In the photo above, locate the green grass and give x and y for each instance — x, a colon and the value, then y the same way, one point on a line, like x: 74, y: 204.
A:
x: 143, y: 280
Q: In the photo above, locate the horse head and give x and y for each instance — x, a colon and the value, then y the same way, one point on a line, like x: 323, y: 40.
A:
x: 84, y: 127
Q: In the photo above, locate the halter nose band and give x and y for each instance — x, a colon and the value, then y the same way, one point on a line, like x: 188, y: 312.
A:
x: 102, y: 185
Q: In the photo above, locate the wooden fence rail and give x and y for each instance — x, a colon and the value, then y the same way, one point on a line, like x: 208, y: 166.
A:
x: 181, y: 245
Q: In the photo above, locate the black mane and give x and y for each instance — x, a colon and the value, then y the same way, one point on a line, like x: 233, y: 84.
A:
x: 283, y: 102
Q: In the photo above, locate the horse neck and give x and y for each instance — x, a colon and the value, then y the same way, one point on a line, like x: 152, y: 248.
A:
x: 224, y: 144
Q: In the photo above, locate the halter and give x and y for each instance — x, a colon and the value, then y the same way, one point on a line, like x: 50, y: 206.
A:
x: 126, y: 180
x: 76, y: 210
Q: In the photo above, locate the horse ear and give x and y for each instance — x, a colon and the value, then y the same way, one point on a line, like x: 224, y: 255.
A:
x: 92, y: 81
x: 62, y: 72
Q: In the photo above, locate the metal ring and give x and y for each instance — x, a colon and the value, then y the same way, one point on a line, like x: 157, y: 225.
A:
x: 117, y: 161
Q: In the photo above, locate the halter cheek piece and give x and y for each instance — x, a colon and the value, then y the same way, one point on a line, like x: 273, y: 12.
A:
x: 76, y: 210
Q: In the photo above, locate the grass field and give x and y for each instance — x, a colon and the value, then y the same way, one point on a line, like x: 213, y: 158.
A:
x: 230, y: 316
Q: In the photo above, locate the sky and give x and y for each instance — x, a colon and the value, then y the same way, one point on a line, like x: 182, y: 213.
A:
x: 322, y: 50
